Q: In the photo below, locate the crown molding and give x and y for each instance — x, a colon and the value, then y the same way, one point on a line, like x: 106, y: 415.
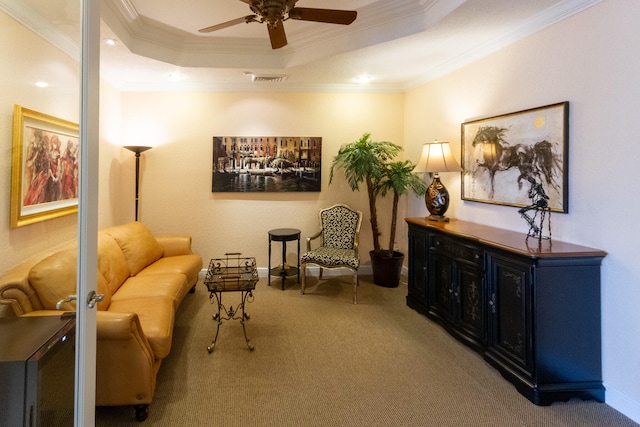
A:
x: 546, y: 18
x: 260, y: 87
x: 45, y: 29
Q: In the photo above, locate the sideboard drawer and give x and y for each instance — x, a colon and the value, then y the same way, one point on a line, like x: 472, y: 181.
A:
x: 460, y: 251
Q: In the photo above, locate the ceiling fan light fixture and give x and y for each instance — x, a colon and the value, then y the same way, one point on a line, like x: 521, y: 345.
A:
x: 271, y: 11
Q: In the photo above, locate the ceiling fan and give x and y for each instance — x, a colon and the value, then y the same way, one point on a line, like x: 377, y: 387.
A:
x: 275, y: 12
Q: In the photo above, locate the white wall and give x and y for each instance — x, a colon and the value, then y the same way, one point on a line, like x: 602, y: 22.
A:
x: 592, y: 61
x: 21, y: 68
x: 175, y: 184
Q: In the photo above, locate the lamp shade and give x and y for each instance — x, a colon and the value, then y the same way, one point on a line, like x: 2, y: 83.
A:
x: 437, y: 157
x: 137, y: 148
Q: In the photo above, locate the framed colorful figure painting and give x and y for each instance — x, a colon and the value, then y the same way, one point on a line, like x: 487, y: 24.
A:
x: 44, y: 167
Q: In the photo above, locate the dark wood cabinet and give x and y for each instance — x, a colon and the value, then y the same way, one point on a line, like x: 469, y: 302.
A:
x: 37, y: 360
x: 532, y: 309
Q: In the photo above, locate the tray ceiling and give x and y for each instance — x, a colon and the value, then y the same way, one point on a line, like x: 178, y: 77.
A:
x: 394, y: 45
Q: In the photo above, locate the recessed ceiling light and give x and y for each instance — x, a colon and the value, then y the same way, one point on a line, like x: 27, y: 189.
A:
x: 363, y: 79
x: 42, y: 84
x: 110, y: 41
x: 176, y: 77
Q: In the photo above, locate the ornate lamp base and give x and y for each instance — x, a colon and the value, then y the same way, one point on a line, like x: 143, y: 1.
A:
x: 437, y: 200
x: 438, y: 218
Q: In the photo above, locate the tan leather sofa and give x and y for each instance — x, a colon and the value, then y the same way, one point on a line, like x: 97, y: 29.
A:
x: 143, y: 279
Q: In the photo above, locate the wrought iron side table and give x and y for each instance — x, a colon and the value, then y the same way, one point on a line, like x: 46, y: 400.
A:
x: 284, y: 235
x: 231, y: 274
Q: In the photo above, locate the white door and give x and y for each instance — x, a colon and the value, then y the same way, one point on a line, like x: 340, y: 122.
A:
x: 85, y: 378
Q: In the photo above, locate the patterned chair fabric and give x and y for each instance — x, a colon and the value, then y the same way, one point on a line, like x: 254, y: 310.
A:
x: 339, y: 233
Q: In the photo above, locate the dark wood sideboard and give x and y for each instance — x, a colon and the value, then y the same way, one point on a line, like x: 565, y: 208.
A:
x: 532, y: 309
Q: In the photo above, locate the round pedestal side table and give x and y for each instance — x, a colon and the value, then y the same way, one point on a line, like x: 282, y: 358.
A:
x: 284, y: 235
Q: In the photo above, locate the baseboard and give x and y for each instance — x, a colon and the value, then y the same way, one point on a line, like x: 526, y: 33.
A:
x: 315, y: 271
x: 623, y: 404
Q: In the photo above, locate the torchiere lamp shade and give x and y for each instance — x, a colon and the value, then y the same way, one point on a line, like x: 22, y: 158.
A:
x: 437, y: 157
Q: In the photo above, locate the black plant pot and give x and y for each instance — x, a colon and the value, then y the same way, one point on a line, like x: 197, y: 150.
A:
x: 386, y: 270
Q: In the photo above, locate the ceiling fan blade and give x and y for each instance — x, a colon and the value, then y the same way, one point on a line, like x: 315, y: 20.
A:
x: 330, y: 16
x: 247, y: 19
x: 277, y: 35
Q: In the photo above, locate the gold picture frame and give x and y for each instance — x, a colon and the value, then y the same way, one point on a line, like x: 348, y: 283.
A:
x: 44, y: 167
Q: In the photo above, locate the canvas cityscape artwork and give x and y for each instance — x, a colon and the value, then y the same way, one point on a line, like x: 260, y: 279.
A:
x: 266, y: 163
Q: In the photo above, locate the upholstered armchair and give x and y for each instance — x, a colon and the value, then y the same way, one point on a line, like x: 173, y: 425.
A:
x: 338, y: 248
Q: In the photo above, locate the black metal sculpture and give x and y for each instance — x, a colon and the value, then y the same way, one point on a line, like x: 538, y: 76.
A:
x: 539, y: 205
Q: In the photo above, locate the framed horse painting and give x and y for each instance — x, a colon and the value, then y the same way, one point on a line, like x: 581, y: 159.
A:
x: 518, y: 159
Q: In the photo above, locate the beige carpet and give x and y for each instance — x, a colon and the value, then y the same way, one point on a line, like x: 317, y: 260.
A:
x: 319, y: 360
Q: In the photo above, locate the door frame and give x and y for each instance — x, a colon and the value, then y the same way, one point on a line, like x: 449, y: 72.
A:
x: 85, y: 366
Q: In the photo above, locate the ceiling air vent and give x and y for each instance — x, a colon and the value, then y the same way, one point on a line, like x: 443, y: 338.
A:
x: 267, y: 79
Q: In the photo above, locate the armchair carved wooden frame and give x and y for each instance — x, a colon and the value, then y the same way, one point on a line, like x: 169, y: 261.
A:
x: 339, y: 235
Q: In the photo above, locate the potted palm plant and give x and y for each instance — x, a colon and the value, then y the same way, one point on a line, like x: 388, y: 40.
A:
x: 372, y: 163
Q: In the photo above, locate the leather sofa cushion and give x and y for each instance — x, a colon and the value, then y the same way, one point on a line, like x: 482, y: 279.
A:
x: 54, y: 279
x: 156, y: 315
x: 189, y: 265
x: 139, y: 246
x: 171, y: 285
x: 111, y: 262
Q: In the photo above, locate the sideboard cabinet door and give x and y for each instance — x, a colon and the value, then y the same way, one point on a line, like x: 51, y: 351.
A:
x: 472, y: 302
x: 457, y: 290
x: 510, y: 313
x: 417, y: 277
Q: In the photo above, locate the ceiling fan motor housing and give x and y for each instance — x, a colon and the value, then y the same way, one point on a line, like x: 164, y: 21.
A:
x: 271, y: 11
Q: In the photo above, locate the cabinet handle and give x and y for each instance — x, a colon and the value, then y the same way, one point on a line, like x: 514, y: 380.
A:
x: 492, y: 303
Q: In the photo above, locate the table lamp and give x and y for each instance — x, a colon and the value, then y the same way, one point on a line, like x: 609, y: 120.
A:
x: 437, y: 157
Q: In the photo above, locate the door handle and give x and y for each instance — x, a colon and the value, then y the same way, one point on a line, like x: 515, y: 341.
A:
x: 68, y: 299
x: 94, y: 298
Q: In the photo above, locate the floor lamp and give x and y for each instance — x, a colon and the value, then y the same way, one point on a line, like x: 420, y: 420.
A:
x: 137, y: 149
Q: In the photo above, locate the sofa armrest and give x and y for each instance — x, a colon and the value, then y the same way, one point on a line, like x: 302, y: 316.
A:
x: 125, y: 365
x: 175, y: 245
